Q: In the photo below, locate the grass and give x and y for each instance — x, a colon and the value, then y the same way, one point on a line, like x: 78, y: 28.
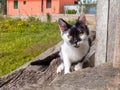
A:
x: 21, y: 41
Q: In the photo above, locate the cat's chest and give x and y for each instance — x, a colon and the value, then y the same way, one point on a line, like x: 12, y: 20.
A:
x: 74, y: 54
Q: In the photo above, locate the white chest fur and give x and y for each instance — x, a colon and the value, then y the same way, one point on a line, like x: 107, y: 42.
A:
x: 74, y: 54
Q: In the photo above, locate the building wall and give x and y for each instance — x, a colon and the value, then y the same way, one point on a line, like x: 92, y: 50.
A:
x: 65, y: 2
x: 54, y: 7
x: 32, y: 7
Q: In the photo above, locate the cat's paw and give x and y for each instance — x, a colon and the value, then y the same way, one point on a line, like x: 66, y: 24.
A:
x: 67, y: 72
x: 60, y: 68
x: 78, y: 67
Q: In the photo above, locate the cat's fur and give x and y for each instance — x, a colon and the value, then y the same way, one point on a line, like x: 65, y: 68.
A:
x: 76, y: 44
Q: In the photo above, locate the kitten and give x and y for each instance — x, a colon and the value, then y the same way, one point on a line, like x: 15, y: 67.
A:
x: 76, y: 44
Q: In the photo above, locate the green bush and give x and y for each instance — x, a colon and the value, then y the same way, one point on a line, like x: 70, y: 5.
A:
x: 69, y: 11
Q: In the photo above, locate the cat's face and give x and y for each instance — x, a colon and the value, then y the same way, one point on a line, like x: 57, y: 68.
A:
x: 73, y: 34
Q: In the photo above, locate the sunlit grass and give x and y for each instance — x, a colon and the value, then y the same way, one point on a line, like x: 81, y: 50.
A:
x: 21, y: 41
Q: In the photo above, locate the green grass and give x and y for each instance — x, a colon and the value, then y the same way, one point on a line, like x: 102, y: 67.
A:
x: 21, y: 41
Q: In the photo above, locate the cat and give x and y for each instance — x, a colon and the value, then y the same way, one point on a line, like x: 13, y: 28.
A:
x: 76, y: 44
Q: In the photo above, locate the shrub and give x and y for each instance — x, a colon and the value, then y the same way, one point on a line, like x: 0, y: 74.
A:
x: 69, y: 11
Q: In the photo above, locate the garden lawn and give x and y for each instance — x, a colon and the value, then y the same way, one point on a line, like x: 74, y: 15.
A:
x: 21, y: 41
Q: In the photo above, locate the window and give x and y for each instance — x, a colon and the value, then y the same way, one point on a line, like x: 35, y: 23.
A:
x: 24, y: 2
x: 75, y: 2
x: 48, y: 4
x: 15, y: 4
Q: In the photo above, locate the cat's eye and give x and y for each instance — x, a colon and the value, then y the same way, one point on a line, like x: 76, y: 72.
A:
x: 69, y: 36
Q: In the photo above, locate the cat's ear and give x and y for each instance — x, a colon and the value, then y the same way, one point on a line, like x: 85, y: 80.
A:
x: 62, y: 24
x: 82, y: 19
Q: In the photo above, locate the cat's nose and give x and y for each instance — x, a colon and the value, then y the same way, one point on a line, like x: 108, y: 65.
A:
x: 75, y: 41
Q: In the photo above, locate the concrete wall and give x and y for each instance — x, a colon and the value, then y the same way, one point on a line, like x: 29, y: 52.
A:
x: 91, y: 18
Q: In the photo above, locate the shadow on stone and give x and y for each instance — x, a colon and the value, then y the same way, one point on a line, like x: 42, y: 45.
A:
x: 47, y: 60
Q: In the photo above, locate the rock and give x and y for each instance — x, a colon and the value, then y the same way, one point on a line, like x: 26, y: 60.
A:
x: 98, y: 78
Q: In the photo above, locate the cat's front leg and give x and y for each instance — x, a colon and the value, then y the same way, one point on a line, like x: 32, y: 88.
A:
x: 67, y: 65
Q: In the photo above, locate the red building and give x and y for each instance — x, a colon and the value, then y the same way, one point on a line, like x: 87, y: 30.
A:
x: 36, y: 7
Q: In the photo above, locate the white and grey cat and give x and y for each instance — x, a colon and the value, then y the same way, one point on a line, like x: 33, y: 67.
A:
x: 76, y: 44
